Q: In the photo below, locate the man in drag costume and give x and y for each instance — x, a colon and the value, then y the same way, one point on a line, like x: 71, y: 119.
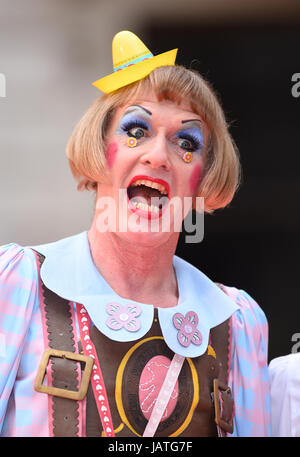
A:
x: 108, y: 333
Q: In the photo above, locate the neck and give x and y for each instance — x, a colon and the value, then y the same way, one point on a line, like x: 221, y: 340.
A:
x: 133, y: 271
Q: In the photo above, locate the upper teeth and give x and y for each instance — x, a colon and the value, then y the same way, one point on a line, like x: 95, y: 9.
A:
x: 154, y: 185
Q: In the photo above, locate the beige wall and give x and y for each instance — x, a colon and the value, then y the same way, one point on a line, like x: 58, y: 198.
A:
x: 50, y: 52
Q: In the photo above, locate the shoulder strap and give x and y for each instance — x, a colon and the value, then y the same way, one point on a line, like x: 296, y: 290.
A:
x: 220, y: 340
x: 223, y: 402
x: 59, y: 334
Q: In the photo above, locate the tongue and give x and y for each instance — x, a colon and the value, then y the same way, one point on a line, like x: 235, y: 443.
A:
x: 144, y: 194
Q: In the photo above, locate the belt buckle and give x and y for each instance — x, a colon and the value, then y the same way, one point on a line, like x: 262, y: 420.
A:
x: 56, y: 391
x: 220, y: 387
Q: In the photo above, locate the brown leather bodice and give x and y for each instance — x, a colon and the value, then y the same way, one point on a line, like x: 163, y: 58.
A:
x: 122, y: 365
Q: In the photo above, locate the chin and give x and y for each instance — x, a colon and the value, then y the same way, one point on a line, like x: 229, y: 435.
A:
x: 148, y: 239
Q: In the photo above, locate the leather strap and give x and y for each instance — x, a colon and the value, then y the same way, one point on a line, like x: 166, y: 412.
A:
x: 221, y: 342
x: 64, y: 374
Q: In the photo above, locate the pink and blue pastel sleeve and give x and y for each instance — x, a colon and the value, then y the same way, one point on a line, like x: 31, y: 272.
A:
x: 18, y: 297
x: 249, y: 377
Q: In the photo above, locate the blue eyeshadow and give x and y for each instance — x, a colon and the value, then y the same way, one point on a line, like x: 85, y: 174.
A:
x: 131, y: 120
x: 192, y: 133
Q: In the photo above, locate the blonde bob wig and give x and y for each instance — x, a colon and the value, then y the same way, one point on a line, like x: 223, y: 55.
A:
x: 221, y: 175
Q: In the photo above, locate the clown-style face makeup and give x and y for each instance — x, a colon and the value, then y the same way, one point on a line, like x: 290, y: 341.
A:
x: 154, y: 150
x: 136, y: 123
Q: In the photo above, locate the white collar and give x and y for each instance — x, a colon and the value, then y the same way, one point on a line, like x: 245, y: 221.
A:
x: 69, y: 271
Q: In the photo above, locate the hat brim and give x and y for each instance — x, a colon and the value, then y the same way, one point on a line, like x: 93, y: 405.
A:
x: 134, y: 72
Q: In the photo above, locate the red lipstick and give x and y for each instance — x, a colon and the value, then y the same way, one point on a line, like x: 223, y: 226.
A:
x: 149, y: 178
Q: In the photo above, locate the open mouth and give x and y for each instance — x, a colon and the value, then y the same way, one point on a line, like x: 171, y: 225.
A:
x: 148, y: 194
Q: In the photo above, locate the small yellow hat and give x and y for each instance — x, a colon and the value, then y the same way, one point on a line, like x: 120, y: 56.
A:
x: 132, y: 61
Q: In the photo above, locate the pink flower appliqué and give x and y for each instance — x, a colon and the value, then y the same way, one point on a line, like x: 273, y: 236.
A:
x: 187, y: 326
x: 123, y: 316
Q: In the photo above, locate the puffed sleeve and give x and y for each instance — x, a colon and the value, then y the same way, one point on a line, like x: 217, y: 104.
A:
x: 18, y: 294
x: 248, y: 377
x: 285, y: 395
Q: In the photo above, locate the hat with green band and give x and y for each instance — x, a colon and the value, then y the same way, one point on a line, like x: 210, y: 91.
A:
x: 132, y: 61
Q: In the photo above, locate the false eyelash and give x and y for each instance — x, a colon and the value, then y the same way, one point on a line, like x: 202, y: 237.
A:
x: 193, y: 139
x: 128, y: 125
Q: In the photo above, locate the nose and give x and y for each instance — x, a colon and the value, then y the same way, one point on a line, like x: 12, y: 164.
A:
x: 156, y: 154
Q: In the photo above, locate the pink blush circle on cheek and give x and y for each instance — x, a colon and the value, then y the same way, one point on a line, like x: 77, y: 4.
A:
x: 195, y: 177
x: 111, y: 154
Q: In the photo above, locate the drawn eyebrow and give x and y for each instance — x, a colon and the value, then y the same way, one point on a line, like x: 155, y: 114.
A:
x: 141, y: 107
x: 191, y: 120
